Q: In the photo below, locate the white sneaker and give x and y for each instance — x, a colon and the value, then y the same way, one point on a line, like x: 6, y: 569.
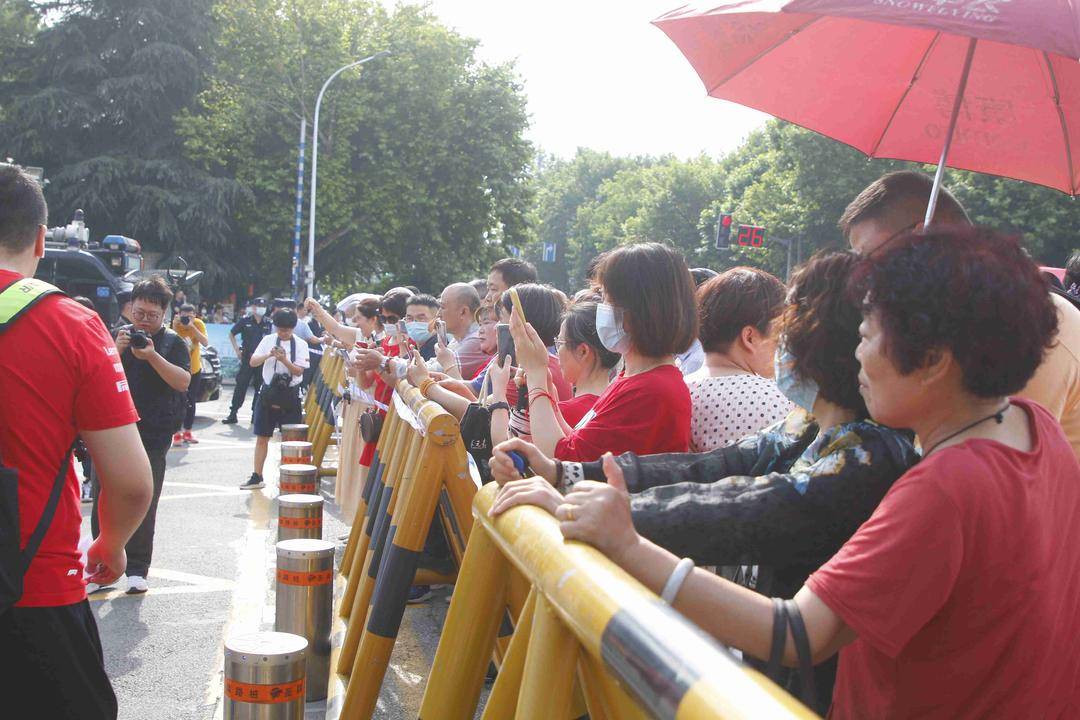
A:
x: 92, y: 588
x: 137, y: 585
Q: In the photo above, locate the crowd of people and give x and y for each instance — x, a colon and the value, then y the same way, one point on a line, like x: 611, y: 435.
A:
x: 865, y: 479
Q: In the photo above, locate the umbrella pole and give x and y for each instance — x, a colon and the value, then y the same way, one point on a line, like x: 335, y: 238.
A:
x: 949, y: 134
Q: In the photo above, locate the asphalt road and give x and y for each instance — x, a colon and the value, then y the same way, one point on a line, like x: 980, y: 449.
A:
x: 212, y: 576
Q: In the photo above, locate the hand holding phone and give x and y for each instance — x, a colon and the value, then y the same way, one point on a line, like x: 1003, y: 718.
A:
x: 506, y: 343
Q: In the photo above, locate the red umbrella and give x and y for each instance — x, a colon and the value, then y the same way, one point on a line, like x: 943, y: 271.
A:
x: 985, y: 85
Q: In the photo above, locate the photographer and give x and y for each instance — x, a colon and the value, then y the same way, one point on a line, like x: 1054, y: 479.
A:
x: 193, y: 330
x: 283, y: 358
x: 156, y: 363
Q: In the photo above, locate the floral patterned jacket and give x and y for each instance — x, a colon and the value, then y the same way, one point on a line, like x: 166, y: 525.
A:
x: 784, y: 499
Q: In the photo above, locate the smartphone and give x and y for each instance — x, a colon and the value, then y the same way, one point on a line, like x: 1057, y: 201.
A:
x: 516, y: 303
x: 440, y: 329
x: 403, y: 334
x: 506, y: 343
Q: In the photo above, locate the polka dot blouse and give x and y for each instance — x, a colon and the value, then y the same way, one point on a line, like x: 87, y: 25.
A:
x: 730, y: 407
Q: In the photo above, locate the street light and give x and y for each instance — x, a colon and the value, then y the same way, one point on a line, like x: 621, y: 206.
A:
x: 315, y: 168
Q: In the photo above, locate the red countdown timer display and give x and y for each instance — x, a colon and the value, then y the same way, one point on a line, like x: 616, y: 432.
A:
x: 750, y: 236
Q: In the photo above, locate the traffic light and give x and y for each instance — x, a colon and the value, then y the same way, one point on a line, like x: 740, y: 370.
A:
x: 723, y: 231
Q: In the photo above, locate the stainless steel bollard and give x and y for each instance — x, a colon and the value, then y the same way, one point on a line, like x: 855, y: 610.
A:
x: 295, y: 452
x: 299, y: 516
x: 304, y: 603
x: 298, y: 479
x: 264, y: 676
x: 294, y: 433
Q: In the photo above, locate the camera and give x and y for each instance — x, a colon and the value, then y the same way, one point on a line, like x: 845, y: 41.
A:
x: 185, y: 320
x: 280, y: 381
x: 139, y: 339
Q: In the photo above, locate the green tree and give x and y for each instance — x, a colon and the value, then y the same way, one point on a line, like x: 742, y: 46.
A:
x: 422, y: 160
x: 94, y: 100
x: 562, y: 188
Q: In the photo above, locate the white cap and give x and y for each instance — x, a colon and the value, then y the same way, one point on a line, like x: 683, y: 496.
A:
x: 353, y: 300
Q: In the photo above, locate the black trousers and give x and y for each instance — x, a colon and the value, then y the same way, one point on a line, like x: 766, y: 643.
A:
x: 192, y: 395
x: 52, y: 660
x: 140, y: 548
x: 244, y: 376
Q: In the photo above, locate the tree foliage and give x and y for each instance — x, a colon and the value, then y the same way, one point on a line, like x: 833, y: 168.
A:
x: 422, y: 167
x: 92, y: 98
x: 793, y: 182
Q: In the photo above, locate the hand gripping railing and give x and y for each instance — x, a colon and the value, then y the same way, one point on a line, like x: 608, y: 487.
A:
x: 587, y: 627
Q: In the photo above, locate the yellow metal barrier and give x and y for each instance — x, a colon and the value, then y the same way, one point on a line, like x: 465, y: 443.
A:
x: 319, y: 405
x: 420, y: 466
x: 587, y: 622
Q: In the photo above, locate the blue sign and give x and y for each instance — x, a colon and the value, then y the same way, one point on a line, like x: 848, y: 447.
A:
x: 549, y: 252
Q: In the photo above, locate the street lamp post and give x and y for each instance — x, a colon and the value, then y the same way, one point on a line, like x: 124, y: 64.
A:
x: 315, y: 168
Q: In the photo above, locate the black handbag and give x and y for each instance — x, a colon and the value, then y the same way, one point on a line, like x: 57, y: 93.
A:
x: 371, y: 422
x: 475, y: 428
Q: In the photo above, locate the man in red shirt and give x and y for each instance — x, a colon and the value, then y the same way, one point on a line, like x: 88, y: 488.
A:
x: 59, y: 377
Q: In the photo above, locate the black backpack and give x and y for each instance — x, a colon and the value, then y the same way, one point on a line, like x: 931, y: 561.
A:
x: 15, y: 301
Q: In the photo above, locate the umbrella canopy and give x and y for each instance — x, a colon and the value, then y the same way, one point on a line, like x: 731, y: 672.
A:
x: 883, y: 76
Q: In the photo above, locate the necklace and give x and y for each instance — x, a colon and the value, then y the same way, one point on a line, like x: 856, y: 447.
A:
x: 998, y: 415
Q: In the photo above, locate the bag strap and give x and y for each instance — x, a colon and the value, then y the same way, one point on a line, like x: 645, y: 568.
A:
x: 16, y: 300
x: 802, y: 648
x: 18, y: 297
x: 47, y: 514
x: 779, y: 636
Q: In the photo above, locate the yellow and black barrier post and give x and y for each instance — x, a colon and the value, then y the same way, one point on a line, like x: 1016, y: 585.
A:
x: 421, y: 468
x: 333, y: 372
x: 585, y: 622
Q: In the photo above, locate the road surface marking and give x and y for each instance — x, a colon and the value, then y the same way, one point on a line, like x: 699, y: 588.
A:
x: 254, y: 559
x: 197, y: 584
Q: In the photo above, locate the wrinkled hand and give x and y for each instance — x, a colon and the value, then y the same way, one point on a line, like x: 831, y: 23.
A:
x: 418, y: 371
x: 532, y: 354
x: 499, y: 375
x: 502, y: 467
x: 105, y: 563
x: 599, y: 514
x: 123, y: 340
x: 534, y: 491
x: 145, y: 353
x: 314, y: 307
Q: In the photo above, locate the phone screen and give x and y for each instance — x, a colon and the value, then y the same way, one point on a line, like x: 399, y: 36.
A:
x: 506, y: 343
x: 403, y: 334
x: 440, y: 328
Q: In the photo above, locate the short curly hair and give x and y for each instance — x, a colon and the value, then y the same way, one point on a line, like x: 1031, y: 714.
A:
x: 970, y: 290
x: 820, y: 328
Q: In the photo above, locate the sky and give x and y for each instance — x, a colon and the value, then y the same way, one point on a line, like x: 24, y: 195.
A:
x: 598, y: 75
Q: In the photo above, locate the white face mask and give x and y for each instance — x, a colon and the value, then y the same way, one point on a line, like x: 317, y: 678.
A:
x: 259, y: 311
x: 609, y: 327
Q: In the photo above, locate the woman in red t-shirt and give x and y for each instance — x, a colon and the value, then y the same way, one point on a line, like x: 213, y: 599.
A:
x: 960, y: 596
x: 648, y: 314
x: 391, y: 310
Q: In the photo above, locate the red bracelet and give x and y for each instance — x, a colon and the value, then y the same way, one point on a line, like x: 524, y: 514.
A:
x: 539, y: 393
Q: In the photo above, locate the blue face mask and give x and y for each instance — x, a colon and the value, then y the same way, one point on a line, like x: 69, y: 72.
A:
x: 418, y: 331
x: 609, y: 328
x: 801, y: 391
